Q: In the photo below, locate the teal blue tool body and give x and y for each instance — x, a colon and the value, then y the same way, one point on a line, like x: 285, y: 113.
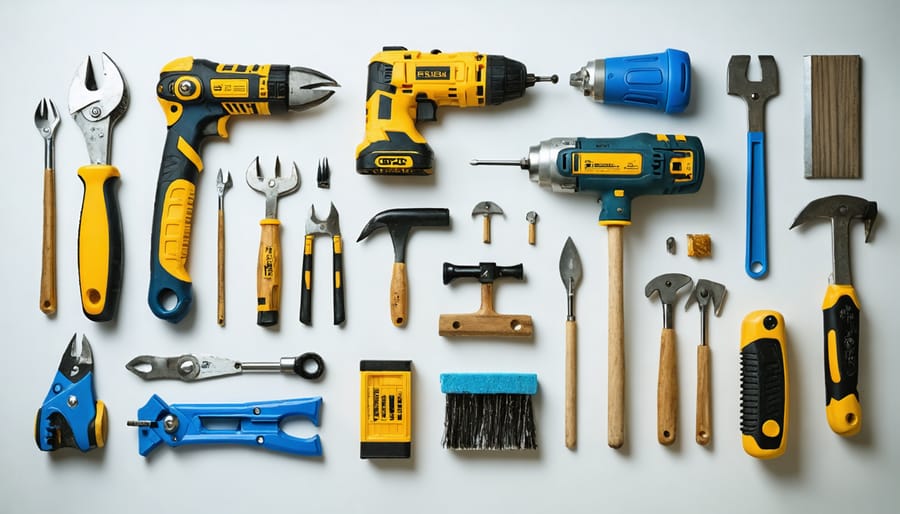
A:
x: 249, y: 424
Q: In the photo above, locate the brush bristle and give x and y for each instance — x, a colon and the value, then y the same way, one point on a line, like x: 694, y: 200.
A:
x: 489, y: 422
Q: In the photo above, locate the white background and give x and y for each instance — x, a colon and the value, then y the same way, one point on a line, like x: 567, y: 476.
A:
x: 44, y: 42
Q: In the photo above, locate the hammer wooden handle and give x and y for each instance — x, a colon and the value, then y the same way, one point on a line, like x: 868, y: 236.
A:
x: 571, y: 383
x: 667, y: 389
x: 399, y: 294
x: 48, y: 261
x: 616, y: 342
x: 704, y: 420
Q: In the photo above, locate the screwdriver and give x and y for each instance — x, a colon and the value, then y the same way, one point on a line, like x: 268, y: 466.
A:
x: 191, y: 367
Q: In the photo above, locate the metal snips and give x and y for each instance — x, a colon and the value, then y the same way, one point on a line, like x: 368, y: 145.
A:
x: 71, y: 416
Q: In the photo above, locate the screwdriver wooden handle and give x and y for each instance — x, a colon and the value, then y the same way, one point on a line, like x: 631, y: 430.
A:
x: 616, y: 342
x: 399, y: 294
x: 100, y: 242
x: 571, y: 383
x: 667, y: 389
x: 531, y: 234
x: 220, y: 311
x: 268, y: 273
x: 486, y: 229
x: 704, y: 420
x: 841, y: 315
x: 48, y: 254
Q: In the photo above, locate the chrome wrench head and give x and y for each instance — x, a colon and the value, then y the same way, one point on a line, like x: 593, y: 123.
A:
x: 755, y: 93
x: 274, y: 186
x: 666, y: 286
x: 223, y: 185
x: 330, y: 226
x: 98, y: 97
x: 46, y: 119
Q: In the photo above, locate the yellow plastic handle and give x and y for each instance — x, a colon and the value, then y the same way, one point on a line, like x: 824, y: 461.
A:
x: 100, y: 242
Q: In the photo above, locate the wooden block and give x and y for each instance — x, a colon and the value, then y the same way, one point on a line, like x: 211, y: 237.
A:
x: 699, y: 245
x: 486, y: 324
x: 832, y: 116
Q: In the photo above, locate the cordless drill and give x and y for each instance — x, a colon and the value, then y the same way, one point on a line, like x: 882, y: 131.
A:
x: 618, y: 170
x: 198, y: 97
x: 407, y: 86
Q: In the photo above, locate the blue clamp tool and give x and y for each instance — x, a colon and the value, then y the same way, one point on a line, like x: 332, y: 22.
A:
x: 251, y: 424
x: 70, y: 415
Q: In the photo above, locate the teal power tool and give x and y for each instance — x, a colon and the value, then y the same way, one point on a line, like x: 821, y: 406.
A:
x: 655, y: 81
x: 198, y: 97
x: 71, y: 416
x: 248, y: 424
x: 618, y: 170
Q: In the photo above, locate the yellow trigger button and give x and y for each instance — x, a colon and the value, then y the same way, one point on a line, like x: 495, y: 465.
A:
x: 771, y: 428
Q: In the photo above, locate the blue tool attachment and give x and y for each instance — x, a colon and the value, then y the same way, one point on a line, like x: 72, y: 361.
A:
x: 250, y: 424
x: 71, y: 416
x: 757, y: 256
x: 659, y: 81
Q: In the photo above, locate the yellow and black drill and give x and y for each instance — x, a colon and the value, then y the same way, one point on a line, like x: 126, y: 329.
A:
x: 406, y: 86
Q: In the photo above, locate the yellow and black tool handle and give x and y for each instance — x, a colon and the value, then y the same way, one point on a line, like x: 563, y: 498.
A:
x: 338, y: 277
x: 100, y: 242
x: 765, y: 398
x: 306, y: 285
x: 268, y: 273
x: 197, y: 96
x: 306, y: 278
x: 841, y: 316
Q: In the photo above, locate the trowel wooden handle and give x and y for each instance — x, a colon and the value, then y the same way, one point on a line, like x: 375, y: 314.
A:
x: 704, y: 421
x: 48, y: 264
x: 399, y: 294
x: 667, y: 390
x: 616, y: 342
x: 571, y: 383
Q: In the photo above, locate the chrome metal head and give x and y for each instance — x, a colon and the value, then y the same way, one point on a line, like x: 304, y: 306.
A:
x: 330, y: 226
x: 486, y: 208
x: 706, y: 292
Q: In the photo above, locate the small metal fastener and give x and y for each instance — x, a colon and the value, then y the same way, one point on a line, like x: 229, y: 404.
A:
x: 72, y: 401
x: 670, y: 245
x: 170, y: 423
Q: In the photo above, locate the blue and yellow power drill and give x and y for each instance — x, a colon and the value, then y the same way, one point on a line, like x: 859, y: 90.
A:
x: 618, y: 170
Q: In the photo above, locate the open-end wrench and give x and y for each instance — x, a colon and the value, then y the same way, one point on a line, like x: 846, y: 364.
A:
x: 755, y: 93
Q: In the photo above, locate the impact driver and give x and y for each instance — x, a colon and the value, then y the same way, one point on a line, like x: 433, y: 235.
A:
x: 198, y: 97
x: 616, y: 169
x: 406, y: 86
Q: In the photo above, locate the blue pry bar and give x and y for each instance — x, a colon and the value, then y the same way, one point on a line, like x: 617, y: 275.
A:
x: 489, y: 383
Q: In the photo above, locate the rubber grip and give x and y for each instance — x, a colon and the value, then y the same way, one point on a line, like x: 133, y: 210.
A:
x: 306, y: 281
x: 171, y: 232
x: 100, y: 242
x: 765, y: 387
x: 268, y: 273
x: 841, y: 320
x: 338, y: 274
x: 757, y: 260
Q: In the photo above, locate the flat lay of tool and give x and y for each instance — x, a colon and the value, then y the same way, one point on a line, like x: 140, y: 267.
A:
x: 485, y: 321
x: 398, y: 223
x: 222, y: 185
x: 489, y: 411
x: 756, y: 94
x: 486, y: 209
x: 841, y: 308
x: 46, y: 119
x: 198, y: 98
x: 323, y: 174
x: 330, y: 227
x: 531, y: 217
x: 666, y: 287
x: 256, y: 424
x: 765, y: 387
x: 191, y: 367
x: 71, y: 415
x: 407, y: 86
x: 385, y: 410
x: 618, y: 170
x: 705, y: 292
x: 268, y: 267
x: 655, y: 81
x: 98, y: 97
x: 570, y: 273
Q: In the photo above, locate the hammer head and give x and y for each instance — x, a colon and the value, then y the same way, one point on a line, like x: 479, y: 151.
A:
x: 400, y: 221
x: 840, y: 208
x: 667, y: 286
x: 486, y: 208
x: 706, y: 291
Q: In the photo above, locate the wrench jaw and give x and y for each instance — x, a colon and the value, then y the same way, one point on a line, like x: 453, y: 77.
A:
x: 97, y: 106
x: 272, y: 187
x: 755, y: 93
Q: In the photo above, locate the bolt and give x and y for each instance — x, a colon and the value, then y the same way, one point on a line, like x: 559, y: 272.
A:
x: 72, y: 401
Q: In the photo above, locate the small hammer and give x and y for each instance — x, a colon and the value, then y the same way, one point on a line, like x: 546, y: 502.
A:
x: 398, y: 223
x: 486, y: 209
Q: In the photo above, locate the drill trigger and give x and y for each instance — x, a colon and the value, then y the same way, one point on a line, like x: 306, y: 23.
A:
x: 426, y: 109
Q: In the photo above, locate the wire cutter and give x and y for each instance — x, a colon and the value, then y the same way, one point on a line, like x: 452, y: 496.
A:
x: 249, y: 424
x: 96, y: 105
x: 330, y: 226
x: 71, y: 416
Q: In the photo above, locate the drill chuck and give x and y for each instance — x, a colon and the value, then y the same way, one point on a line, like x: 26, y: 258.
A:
x: 655, y: 81
x: 507, y: 79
